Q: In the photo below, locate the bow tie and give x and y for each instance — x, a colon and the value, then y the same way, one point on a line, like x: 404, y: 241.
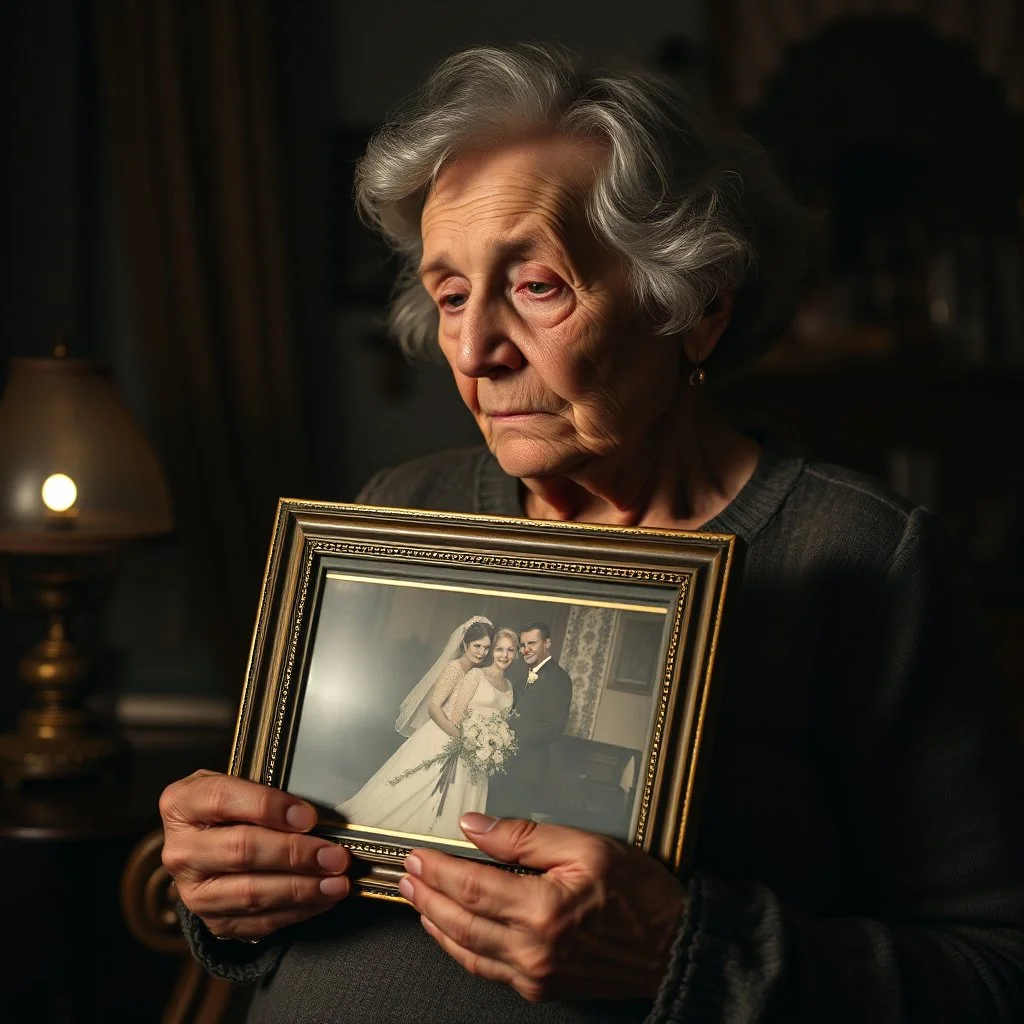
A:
x: 531, y: 676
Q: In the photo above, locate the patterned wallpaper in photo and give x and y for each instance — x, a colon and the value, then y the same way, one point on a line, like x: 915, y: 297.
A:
x: 588, y: 641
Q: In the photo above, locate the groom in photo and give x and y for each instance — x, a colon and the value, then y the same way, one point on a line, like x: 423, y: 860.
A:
x: 542, y: 701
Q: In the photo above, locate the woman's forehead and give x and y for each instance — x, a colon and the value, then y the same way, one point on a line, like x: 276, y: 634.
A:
x: 558, y: 160
x: 514, y: 195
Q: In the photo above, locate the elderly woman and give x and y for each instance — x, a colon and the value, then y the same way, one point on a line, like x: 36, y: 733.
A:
x: 590, y: 256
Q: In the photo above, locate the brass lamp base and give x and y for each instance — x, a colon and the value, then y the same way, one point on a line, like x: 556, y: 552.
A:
x: 74, y: 751
x: 57, y: 737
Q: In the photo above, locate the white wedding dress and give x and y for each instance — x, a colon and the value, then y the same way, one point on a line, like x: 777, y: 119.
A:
x: 411, y: 806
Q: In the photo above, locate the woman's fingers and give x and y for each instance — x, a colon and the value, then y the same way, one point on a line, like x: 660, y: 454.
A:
x: 464, y: 927
x: 251, y: 848
x: 211, y: 798
x: 521, y: 936
x: 257, y: 895
x: 485, y: 890
x: 531, y: 989
x: 482, y: 966
x: 240, y: 858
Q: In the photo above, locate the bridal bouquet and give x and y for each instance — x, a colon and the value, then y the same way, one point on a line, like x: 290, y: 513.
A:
x: 484, y: 744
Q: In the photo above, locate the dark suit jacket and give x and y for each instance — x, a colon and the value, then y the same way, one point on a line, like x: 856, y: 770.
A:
x: 543, y: 709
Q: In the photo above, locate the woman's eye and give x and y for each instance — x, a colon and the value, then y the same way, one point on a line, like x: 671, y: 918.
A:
x: 452, y: 301
x: 543, y: 290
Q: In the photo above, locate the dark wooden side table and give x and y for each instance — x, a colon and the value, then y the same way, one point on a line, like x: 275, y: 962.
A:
x: 68, y: 956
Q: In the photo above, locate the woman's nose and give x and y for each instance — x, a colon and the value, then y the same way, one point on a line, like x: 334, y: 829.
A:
x: 486, y: 344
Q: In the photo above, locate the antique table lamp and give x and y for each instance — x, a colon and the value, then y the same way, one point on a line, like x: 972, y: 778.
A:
x: 78, y: 483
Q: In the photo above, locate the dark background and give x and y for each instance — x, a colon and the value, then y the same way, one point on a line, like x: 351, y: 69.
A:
x: 174, y: 200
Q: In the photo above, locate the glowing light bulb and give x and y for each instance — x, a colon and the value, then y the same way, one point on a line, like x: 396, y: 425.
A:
x: 59, y: 492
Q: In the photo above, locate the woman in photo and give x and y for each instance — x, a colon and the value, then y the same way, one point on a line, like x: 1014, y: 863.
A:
x: 411, y: 801
x: 503, y: 653
x: 487, y: 688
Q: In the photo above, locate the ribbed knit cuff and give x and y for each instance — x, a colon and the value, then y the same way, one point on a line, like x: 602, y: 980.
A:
x: 727, y: 956
x: 232, y: 961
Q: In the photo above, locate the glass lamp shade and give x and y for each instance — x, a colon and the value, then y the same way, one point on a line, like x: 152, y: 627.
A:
x: 76, y: 474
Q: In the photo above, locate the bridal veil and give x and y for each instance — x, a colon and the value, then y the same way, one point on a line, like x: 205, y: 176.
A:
x: 414, y: 710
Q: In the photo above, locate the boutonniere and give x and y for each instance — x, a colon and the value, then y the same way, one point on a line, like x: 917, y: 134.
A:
x: 531, y: 676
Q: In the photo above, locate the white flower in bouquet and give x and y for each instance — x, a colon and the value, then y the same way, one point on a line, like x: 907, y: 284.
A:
x: 487, y: 742
x: 483, y: 744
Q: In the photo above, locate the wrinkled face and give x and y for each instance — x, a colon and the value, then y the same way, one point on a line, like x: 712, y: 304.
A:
x: 504, y: 651
x: 534, y: 647
x: 537, y: 319
x: 476, y: 650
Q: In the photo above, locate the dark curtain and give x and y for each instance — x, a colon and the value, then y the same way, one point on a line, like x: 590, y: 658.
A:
x: 188, y: 97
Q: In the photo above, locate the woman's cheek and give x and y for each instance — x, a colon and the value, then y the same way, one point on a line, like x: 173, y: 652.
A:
x: 546, y: 313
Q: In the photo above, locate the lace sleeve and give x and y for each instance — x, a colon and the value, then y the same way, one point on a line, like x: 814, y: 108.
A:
x: 467, y: 688
x: 446, y: 683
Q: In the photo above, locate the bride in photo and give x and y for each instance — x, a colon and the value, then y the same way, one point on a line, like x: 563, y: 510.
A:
x: 430, y: 717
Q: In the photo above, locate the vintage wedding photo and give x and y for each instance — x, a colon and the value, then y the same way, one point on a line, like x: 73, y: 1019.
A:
x: 423, y: 701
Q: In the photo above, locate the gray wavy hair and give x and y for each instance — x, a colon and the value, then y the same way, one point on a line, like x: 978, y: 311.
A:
x: 694, y: 211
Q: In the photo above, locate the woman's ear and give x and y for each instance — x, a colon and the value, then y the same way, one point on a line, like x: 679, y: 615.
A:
x: 700, y: 340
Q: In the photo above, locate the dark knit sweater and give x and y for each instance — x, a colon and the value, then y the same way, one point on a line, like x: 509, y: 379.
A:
x: 861, y: 850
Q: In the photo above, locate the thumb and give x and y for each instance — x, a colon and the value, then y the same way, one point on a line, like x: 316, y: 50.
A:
x: 517, y: 841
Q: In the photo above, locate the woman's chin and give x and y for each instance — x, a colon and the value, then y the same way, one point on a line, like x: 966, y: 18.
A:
x: 525, y: 457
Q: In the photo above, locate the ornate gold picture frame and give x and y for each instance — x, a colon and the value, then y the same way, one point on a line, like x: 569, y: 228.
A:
x: 371, y: 693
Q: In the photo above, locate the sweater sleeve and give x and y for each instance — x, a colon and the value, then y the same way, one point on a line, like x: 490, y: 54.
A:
x: 227, y: 959
x: 928, y: 768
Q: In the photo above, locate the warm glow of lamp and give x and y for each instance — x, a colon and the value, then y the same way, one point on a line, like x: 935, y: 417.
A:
x: 78, y: 484
x: 62, y: 422
x: 58, y: 492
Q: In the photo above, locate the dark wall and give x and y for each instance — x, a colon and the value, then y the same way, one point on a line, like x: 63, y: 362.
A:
x: 48, y: 217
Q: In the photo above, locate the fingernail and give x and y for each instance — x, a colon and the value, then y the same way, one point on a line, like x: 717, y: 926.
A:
x: 335, y: 886
x: 301, y: 817
x: 473, y: 822
x: 332, y: 858
x: 405, y: 887
x: 413, y: 865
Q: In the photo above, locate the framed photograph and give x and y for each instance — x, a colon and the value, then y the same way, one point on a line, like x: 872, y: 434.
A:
x: 408, y: 667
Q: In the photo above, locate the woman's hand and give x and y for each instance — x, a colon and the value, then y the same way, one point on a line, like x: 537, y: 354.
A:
x: 239, y: 858
x: 599, y: 923
x: 441, y: 719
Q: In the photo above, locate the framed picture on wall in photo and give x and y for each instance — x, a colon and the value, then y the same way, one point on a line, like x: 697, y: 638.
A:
x: 408, y: 667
